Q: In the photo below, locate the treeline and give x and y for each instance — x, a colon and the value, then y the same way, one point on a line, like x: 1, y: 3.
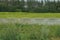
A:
x: 29, y: 6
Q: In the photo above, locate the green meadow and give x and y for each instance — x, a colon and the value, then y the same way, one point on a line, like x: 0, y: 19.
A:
x: 28, y: 15
x: 18, y: 31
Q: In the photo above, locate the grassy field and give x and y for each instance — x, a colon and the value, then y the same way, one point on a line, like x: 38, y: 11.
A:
x: 28, y: 15
x: 16, y: 31
x: 29, y: 32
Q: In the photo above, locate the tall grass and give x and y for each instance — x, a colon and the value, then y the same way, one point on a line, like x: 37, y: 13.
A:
x: 29, y: 32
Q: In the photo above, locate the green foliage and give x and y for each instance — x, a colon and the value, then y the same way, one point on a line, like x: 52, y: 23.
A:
x: 8, y: 32
x: 18, y: 31
x: 32, y: 6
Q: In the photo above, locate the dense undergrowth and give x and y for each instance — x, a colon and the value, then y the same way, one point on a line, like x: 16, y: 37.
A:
x: 29, y: 32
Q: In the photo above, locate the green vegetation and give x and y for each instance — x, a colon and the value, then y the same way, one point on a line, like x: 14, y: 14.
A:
x: 18, y: 31
x: 28, y: 15
x: 30, y: 6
